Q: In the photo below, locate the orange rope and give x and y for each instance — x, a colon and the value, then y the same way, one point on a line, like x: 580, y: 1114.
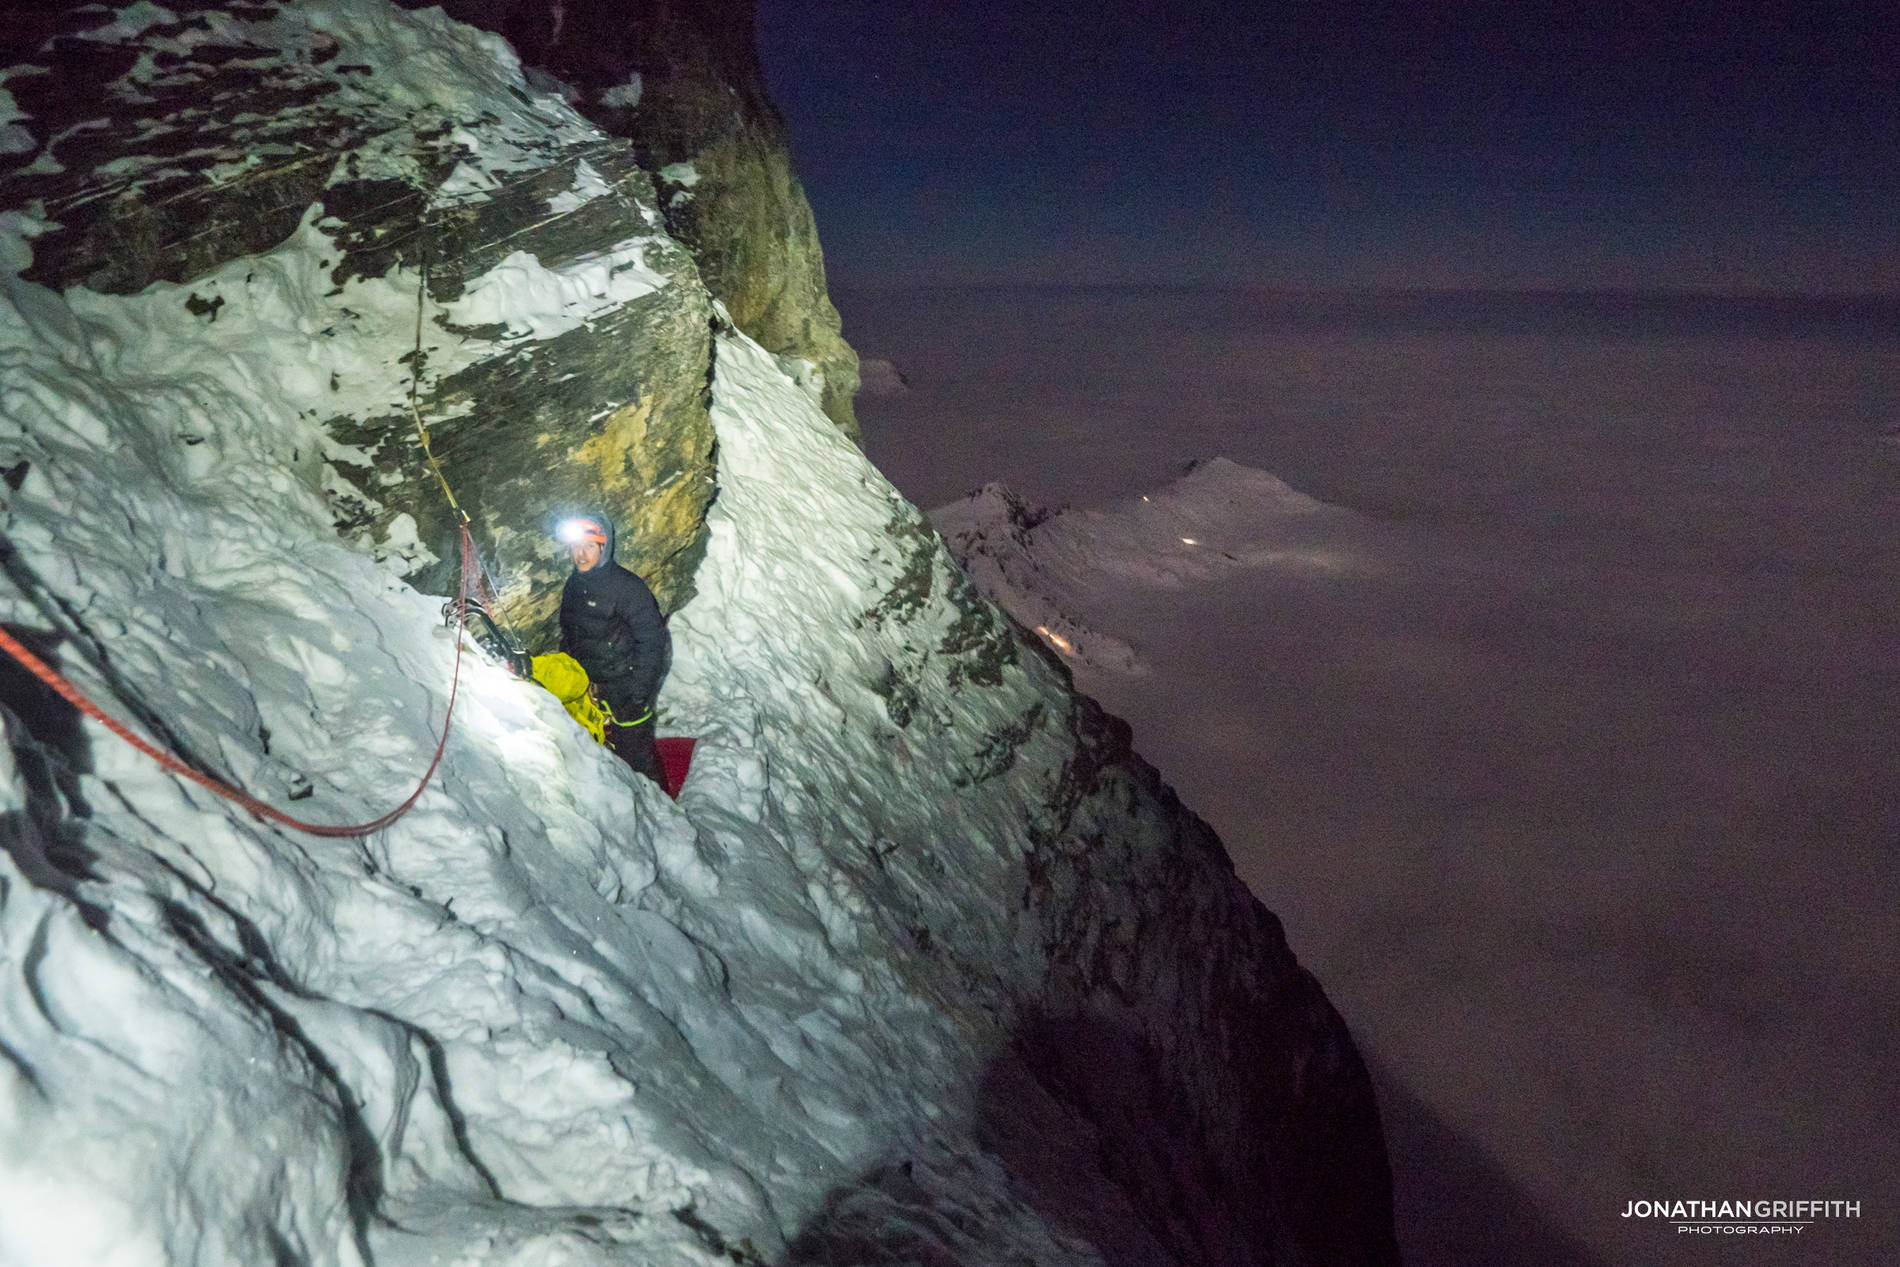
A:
x: 52, y: 677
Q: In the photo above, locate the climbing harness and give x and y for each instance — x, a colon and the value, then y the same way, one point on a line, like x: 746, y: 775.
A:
x: 615, y: 721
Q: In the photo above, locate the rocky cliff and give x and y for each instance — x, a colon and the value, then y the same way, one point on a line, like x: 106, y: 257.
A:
x: 925, y: 965
x: 681, y: 81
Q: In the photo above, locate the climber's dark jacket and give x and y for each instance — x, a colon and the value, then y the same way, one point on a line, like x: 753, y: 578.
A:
x: 612, y: 625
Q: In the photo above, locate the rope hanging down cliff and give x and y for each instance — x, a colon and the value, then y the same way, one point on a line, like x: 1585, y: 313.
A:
x: 415, y: 381
x: 471, y: 573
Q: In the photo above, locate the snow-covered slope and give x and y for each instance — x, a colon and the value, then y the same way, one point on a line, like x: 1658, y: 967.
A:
x: 924, y: 965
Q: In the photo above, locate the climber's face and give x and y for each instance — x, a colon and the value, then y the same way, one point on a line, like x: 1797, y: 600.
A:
x: 586, y: 554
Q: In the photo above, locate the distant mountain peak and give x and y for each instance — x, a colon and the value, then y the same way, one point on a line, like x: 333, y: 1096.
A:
x: 1218, y: 516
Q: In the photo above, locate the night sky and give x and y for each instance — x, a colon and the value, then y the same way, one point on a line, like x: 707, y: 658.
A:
x: 1735, y: 145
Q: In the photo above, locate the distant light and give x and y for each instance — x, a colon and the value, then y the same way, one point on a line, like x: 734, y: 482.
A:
x: 1189, y: 541
x: 1144, y: 497
x: 1062, y: 644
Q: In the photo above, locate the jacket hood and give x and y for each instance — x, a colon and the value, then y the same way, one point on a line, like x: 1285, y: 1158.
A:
x: 606, y: 521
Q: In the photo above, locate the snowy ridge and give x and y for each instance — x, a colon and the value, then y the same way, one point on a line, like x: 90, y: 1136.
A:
x: 990, y: 533
x: 1049, y: 569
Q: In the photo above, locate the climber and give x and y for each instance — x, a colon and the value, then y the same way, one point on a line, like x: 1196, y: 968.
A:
x: 611, y: 624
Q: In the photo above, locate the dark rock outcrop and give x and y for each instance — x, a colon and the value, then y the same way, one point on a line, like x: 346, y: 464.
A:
x: 681, y: 80
x: 1198, y: 1107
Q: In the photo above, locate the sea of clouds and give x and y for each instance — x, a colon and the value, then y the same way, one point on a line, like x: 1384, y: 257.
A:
x: 1573, y: 778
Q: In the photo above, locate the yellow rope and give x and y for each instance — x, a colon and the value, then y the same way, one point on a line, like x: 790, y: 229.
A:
x: 415, y: 378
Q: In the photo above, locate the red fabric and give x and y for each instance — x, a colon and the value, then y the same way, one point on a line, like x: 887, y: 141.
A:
x: 677, y: 756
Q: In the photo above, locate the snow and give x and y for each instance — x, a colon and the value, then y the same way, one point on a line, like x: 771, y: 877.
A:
x: 805, y: 372
x: 130, y: 22
x: 460, y: 85
x: 17, y: 229
x: 539, y: 303
x: 549, y: 1016
x: 304, y: 350
x: 626, y: 95
x: 588, y: 185
x: 1046, y: 569
x: 991, y: 533
x: 465, y: 181
x: 1559, y: 734
x: 683, y: 174
x: 422, y: 59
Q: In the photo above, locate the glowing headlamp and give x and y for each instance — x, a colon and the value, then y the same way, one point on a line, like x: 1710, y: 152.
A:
x: 574, y: 531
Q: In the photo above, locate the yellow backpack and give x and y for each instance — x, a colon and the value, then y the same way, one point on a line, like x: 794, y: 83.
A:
x: 563, y: 676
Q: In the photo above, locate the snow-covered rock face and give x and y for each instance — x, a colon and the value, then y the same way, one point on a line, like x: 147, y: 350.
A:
x: 924, y: 964
x: 285, y: 176
x: 682, y: 81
